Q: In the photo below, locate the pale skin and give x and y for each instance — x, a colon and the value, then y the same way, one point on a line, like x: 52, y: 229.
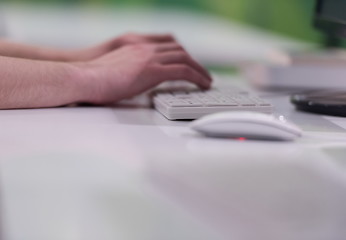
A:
x: 35, y: 77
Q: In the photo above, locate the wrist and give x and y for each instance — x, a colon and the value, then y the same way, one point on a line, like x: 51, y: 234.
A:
x: 84, y: 82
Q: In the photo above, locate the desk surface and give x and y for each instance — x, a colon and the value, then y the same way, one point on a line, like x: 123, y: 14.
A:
x: 128, y: 173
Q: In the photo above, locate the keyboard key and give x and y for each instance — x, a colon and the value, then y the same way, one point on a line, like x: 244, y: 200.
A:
x: 260, y: 101
x: 184, y: 97
x: 229, y: 102
x: 243, y: 101
x: 215, y: 103
x: 194, y: 103
x: 177, y: 103
x: 180, y: 93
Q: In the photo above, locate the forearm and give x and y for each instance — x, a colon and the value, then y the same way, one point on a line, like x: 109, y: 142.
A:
x: 11, y: 49
x: 33, y: 84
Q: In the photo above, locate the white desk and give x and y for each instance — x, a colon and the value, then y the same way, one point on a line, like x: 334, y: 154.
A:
x: 121, y: 173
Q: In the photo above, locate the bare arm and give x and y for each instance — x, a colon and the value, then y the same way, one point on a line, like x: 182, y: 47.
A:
x: 32, y: 84
x: 18, y: 50
x: 117, y: 75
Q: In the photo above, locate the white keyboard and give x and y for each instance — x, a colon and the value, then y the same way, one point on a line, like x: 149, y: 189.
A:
x: 193, y: 104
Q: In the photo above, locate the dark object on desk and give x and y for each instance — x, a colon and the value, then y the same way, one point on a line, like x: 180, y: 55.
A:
x: 327, y: 102
x: 330, y: 17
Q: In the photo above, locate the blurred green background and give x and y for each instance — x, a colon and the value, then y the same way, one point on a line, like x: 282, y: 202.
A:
x: 289, y: 17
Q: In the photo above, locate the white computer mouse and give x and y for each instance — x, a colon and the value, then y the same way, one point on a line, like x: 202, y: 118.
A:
x: 249, y: 125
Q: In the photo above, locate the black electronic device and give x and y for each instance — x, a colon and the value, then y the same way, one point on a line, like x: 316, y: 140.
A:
x: 327, y: 102
x: 330, y: 17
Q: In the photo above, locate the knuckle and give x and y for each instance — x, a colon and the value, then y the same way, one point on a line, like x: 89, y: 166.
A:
x: 186, y: 71
x: 142, y: 50
x: 176, y: 45
x: 141, y: 46
x: 170, y: 36
x: 182, y: 56
x: 148, y: 47
x: 121, y: 40
x: 179, y: 47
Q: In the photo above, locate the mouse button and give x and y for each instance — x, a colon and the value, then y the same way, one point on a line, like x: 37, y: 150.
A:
x: 216, y: 128
x: 236, y: 116
x: 246, y: 130
x: 273, y: 121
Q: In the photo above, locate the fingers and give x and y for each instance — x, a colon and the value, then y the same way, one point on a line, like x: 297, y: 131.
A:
x: 164, y: 47
x: 179, y: 57
x: 178, y: 65
x: 172, y: 53
x: 159, y: 38
x: 133, y: 38
x: 183, y: 72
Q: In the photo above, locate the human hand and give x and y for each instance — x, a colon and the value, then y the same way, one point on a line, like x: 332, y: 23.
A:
x: 136, y: 68
x: 116, y: 43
